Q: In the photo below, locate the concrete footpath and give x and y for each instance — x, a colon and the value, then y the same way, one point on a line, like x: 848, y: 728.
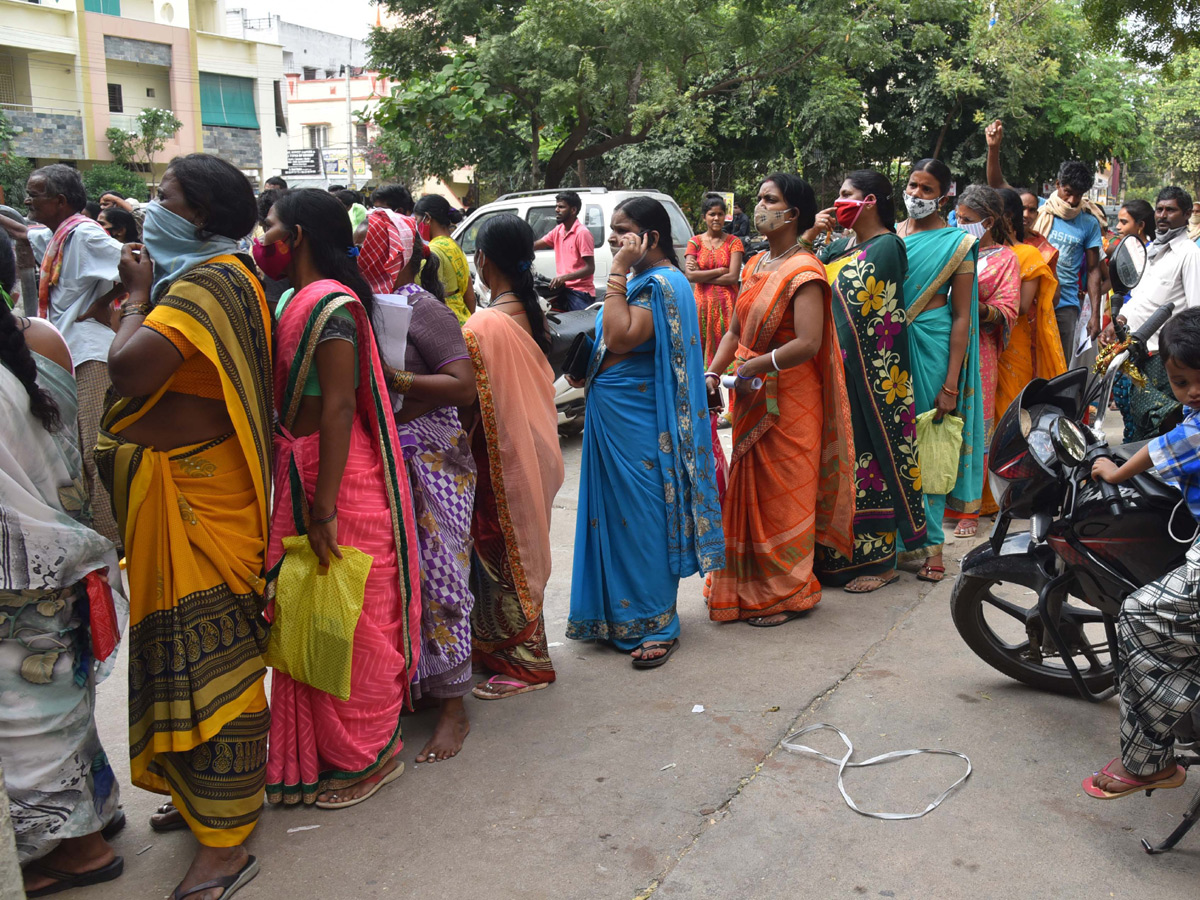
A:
x: 612, y: 784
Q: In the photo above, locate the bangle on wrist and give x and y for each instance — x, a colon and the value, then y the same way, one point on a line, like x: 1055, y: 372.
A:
x: 323, y: 520
x: 135, y: 309
x: 401, y: 381
x: 775, y: 362
x: 949, y: 391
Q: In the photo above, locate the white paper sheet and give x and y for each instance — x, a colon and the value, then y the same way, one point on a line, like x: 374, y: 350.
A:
x: 391, y: 321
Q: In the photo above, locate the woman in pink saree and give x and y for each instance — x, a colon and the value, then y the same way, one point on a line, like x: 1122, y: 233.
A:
x: 336, y: 439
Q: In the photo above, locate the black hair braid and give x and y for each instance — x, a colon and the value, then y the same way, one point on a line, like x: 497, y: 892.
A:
x: 17, y: 358
x: 430, y: 281
x: 507, y: 241
x: 522, y: 286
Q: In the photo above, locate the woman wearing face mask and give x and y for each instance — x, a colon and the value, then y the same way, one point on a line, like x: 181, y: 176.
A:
x: 513, y: 432
x: 436, y: 379
x: 980, y: 213
x: 336, y: 442
x: 943, y: 335
x: 436, y: 218
x: 1034, y: 349
x: 868, y: 310
x: 791, y: 482
x: 186, y: 455
x: 648, y: 509
x: 1134, y: 218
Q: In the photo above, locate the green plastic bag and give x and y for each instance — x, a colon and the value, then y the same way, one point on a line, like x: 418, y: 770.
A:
x: 938, y: 447
x: 316, y: 611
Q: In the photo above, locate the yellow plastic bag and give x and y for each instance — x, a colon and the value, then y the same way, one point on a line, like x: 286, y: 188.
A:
x: 316, y: 611
x: 938, y: 448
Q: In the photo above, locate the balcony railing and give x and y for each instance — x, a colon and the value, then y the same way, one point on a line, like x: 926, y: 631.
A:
x: 51, y: 110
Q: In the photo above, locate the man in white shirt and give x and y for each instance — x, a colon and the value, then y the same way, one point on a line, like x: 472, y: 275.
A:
x: 1172, y: 276
x: 78, y: 285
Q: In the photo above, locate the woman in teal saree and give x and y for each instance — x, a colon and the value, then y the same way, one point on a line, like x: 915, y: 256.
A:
x: 943, y: 332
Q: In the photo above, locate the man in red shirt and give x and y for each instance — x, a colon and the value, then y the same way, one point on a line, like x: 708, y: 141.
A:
x: 574, y: 253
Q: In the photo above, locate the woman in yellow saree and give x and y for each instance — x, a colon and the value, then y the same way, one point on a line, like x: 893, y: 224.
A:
x: 185, y: 452
x: 1034, y: 349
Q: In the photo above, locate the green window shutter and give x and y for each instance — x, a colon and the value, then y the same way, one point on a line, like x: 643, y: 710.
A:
x: 93, y: 6
x: 227, y: 100
x: 110, y: 7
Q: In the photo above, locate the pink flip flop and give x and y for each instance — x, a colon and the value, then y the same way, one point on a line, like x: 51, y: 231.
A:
x: 522, y: 688
x: 1135, y: 784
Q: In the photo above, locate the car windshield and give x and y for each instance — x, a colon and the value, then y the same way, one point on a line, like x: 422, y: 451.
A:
x: 471, y: 234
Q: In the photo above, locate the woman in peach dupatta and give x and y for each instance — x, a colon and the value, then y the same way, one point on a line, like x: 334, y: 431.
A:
x: 513, y: 429
x: 791, y: 477
x: 1034, y: 349
x: 336, y: 441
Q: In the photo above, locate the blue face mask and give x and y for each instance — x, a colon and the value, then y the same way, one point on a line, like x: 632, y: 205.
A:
x: 172, y: 244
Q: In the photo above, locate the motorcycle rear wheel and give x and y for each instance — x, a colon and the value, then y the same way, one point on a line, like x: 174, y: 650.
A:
x: 973, y: 596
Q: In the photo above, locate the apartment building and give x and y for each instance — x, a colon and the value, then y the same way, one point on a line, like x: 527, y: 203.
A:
x: 70, y: 69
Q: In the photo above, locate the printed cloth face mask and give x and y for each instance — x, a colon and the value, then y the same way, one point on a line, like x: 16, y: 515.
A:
x: 974, y: 229
x: 920, y: 207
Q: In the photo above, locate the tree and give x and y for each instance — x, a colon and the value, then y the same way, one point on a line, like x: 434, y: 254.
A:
x: 14, y: 169
x: 1155, y: 31
x: 154, y: 128
x: 104, y: 178
x: 1172, y: 125
x: 583, y: 78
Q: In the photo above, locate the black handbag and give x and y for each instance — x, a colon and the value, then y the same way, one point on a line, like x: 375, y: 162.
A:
x: 578, y: 357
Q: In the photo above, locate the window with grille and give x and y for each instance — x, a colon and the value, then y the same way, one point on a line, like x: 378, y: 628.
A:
x: 115, y: 101
x: 360, y: 135
x: 317, y: 135
x: 8, y: 83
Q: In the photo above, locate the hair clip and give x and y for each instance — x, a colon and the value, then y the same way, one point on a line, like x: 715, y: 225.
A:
x: 523, y: 265
x: 352, y: 252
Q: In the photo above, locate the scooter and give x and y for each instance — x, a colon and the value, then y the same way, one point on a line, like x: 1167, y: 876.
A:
x: 1040, y: 603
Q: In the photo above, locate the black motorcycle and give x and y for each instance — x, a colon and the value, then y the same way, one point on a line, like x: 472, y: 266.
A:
x: 1039, y: 602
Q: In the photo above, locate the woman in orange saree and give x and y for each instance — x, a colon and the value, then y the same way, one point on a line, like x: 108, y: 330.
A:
x: 791, y: 478
x: 1034, y: 349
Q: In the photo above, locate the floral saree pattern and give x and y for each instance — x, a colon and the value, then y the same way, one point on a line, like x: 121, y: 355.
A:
x: 869, y: 312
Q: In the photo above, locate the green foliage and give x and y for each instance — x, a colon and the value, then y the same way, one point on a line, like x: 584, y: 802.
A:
x: 1172, y: 124
x: 14, y: 169
x: 1153, y: 31
x: 686, y: 95
x: 154, y: 128
x: 103, y: 178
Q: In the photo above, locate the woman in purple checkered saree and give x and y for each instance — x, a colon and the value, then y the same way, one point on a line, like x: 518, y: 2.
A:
x: 437, y: 378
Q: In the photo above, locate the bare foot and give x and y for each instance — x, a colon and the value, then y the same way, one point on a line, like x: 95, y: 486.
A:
x: 344, y: 792
x: 73, y: 855
x: 1113, y: 786
x: 210, y: 863
x: 448, y: 735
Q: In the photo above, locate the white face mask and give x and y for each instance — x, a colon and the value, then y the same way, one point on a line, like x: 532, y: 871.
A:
x: 919, y: 207
x: 974, y: 229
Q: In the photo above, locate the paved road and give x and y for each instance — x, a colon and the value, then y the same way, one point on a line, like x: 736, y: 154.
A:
x: 609, y: 785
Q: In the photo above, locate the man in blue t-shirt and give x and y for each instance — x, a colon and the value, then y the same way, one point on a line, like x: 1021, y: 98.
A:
x: 1069, y: 222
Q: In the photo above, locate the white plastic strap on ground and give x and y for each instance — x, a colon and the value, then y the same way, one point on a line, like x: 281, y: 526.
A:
x: 844, y: 763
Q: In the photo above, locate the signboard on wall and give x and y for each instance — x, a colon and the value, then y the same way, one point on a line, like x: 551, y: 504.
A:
x: 340, y: 165
x: 304, y: 163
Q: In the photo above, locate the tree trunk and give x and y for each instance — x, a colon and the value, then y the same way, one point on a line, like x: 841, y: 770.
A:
x: 556, y: 169
x: 535, y: 142
x: 581, y: 172
x: 937, y: 148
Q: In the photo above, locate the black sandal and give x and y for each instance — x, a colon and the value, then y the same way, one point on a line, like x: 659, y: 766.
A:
x: 658, y: 660
x: 166, y: 809
x: 789, y: 614
x: 229, y: 884
x: 66, y: 881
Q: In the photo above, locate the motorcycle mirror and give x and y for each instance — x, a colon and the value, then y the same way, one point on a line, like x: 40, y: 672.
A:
x: 1127, y: 265
x: 1070, y: 443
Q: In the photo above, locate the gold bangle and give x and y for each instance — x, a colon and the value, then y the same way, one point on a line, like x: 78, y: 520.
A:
x: 135, y: 309
x: 401, y: 381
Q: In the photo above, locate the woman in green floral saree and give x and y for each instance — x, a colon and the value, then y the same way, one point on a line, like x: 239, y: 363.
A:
x: 866, y: 271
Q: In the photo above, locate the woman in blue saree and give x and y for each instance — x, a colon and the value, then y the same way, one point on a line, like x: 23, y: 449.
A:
x: 943, y: 334
x: 648, y: 509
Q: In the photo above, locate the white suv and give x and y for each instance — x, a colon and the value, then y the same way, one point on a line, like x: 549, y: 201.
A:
x: 537, y: 208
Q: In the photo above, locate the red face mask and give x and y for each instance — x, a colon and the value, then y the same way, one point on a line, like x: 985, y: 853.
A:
x: 848, y: 211
x: 423, y: 230
x: 272, y: 258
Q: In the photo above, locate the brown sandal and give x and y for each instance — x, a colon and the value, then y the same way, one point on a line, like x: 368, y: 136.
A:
x: 883, y: 582
x: 927, y: 572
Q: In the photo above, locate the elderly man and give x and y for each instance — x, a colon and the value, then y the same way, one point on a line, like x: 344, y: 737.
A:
x: 76, y: 293
x: 1172, y: 276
